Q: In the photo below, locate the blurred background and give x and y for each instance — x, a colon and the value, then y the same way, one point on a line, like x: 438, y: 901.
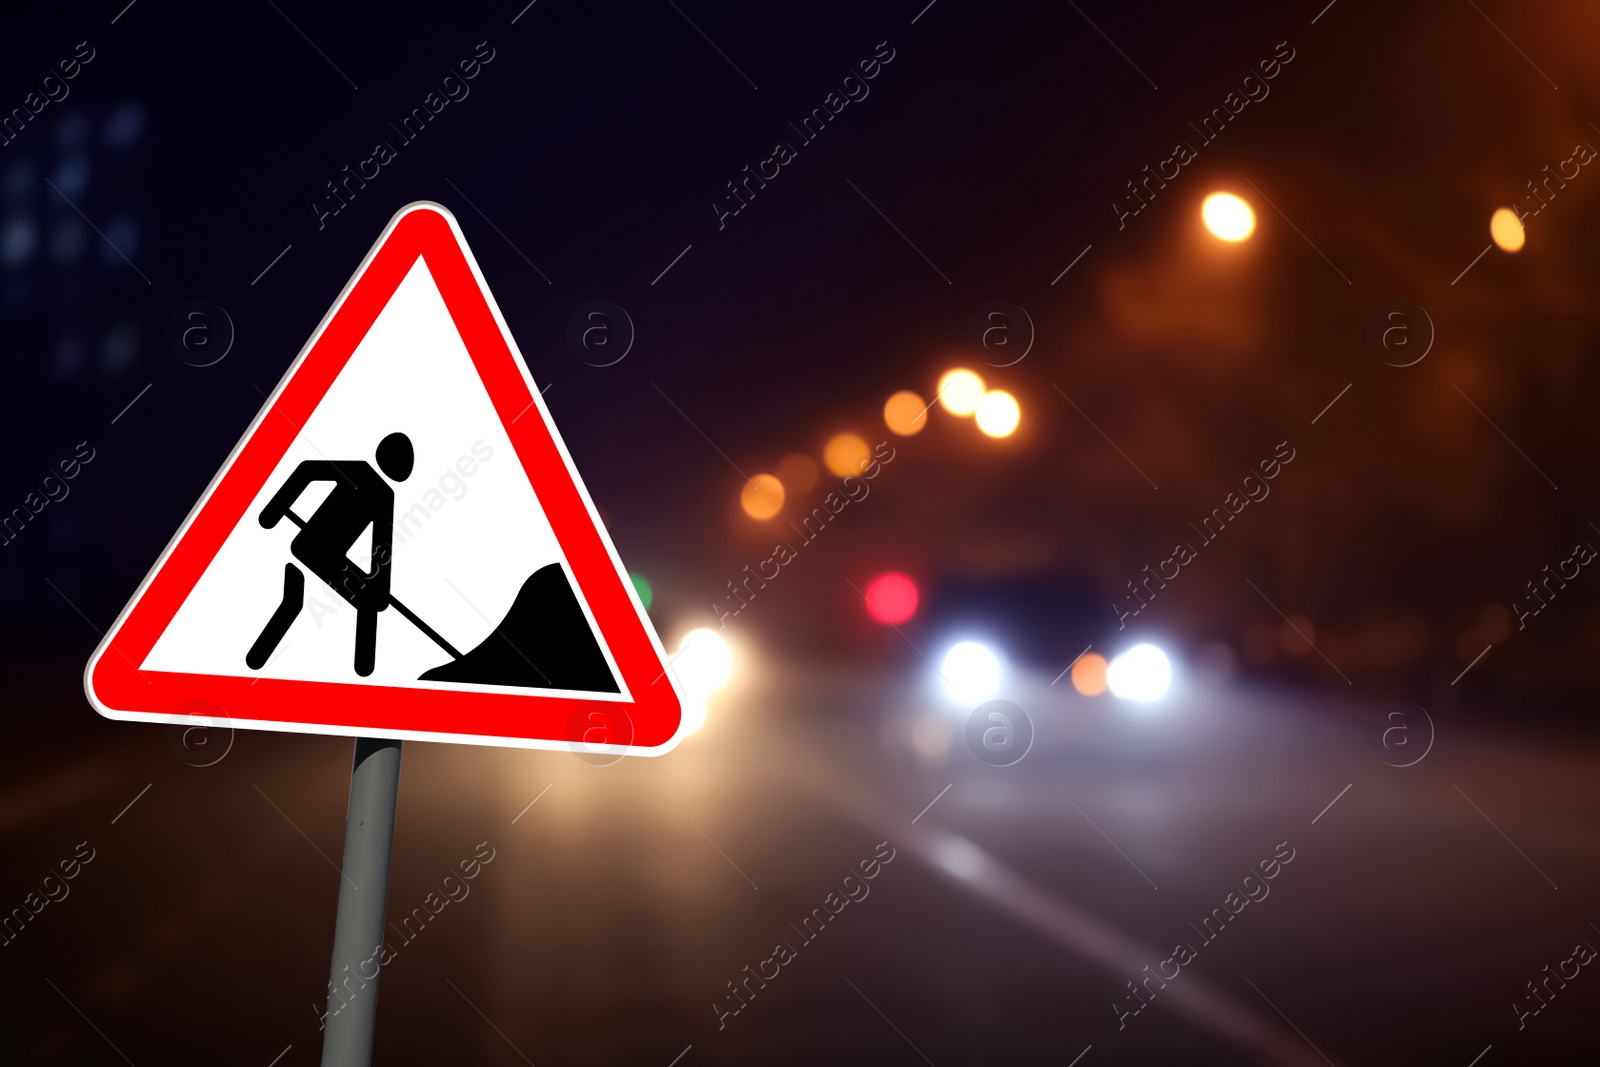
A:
x: 1233, y: 363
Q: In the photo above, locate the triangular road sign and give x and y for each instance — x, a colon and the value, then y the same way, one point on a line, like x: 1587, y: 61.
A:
x: 400, y: 545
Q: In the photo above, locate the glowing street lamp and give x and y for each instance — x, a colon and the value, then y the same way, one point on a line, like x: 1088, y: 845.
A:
x: 998, y: 413
x: 1228, y: 217
x: 762, y: 497
x: 1506, y: 229
x: 960, y: 390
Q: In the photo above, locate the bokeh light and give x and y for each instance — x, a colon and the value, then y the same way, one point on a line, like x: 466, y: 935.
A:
x: 798, y: 472
x: 1228, y: 217
x: 1142, y: 673
x: 694, y: 714
x: 1507, y: 231
x: 1089, y: 674
x: 846, y: 454
x: 704, y: 663
x: 891, y: 598
x: 998, y: 413
x: 762, y: 497
x: 959, y: 391
x: 971, y: 672
x: 905, y: 413
x: 642, y: 587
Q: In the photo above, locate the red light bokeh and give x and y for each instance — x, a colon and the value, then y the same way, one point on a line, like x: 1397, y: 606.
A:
x: 891, y: 598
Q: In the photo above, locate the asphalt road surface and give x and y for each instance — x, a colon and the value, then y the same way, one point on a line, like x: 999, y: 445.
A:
x: 612, y: 909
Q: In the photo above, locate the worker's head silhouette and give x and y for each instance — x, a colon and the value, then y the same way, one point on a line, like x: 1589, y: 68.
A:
x: 395, y: 457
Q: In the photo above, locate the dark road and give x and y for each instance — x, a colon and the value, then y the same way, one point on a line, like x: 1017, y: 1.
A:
x: 626, y: 913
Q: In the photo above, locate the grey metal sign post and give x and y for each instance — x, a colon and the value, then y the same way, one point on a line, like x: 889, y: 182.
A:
x: 363, y: 894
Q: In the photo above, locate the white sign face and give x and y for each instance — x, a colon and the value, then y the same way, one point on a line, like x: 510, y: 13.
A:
x: 400, y: 528
x: 467, y: 528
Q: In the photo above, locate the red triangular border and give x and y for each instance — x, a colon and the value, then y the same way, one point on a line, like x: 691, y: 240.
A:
x: 119, y: 691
